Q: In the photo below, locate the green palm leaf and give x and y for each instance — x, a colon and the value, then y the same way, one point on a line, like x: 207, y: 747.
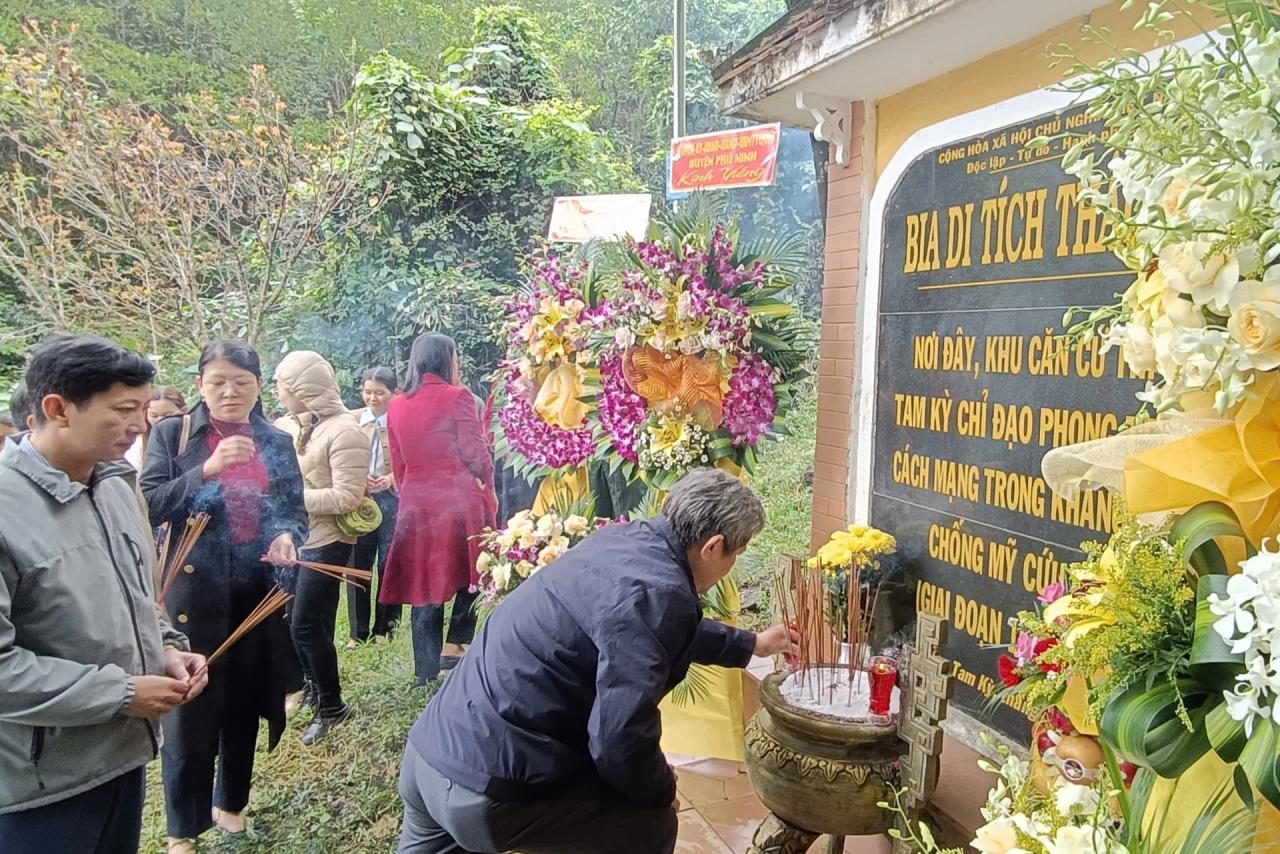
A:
x: 1145, y: 726
x: 1198, y: 528
x: 695, y: 687
x: 787, y: 254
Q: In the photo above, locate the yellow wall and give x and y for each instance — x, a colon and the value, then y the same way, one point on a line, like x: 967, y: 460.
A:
x: 1013, y: 71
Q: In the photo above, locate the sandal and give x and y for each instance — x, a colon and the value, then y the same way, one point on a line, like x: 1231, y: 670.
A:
x: 219, y: 822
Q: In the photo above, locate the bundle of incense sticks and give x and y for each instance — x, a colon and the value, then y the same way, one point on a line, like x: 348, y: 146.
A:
x: 348, y: 574
x: 171, y: 564
x: 272, y: 602
x: 805, y: 605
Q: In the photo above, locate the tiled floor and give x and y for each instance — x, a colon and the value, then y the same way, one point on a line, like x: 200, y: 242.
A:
x: 720, y: 813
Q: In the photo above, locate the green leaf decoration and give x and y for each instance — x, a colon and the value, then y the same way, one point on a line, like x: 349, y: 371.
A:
x: 1260, y: 760
x: 1227, y: 736
x: 1213, y: 663
x: 1145, y: 728
x: 1244, y: 789
x: 1198, y: 528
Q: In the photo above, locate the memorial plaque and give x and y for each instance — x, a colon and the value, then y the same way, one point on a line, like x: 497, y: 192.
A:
x: 985, y: 245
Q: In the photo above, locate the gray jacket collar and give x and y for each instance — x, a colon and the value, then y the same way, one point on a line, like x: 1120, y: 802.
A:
x: 55, y: 481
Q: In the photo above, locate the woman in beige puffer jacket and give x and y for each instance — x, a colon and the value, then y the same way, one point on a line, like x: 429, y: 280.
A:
x: 333, y: 454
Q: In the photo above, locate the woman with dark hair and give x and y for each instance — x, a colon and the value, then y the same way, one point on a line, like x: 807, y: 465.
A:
x: 334, y: 456
x: 166, y: 401
x: 379, y: 386
x: 224, y: 459
x: 444, y: 473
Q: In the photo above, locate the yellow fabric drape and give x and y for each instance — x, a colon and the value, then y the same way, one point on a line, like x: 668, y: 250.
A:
x: 558, y: 400
x: 1237, y: 463
x: 713, y: 726
x: 562, y: 490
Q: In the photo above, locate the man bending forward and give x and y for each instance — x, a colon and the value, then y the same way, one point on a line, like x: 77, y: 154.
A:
x: 545, y: 738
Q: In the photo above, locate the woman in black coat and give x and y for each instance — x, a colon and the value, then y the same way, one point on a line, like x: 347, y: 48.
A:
x: 226, y: 460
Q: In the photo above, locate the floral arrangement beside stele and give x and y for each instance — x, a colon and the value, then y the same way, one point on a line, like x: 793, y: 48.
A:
x: 1150, y: 672
x: 652, y: 357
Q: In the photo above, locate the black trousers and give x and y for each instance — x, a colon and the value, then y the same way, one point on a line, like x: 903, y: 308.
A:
x: 441, y: 817
x: 371, y: 553
x: 104, y: 820
x: 211, y: 762
x: 313, y: 617
x: 428, y: 628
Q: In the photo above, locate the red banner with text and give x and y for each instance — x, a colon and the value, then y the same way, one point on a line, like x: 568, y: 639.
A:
x: 744, y: 157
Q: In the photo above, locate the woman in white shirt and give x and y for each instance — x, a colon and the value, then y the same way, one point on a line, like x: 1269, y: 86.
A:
x: 379, y: 386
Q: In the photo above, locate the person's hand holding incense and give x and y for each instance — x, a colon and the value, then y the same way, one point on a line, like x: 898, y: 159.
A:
x: 155, y: 696
x: 780, y: 639
x: 188, y: 667
x: 282, y: 551
x: 379, y: 484
x: 231, y: 451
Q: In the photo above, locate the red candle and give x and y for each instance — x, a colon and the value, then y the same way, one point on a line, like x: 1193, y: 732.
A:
x: 884, y: 676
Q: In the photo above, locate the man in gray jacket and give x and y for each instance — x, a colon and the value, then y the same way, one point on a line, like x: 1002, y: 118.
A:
x: 86, y: 665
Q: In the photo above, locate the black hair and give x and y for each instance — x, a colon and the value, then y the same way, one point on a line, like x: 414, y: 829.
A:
x: 6, y: 421
x: 237, y: 353
x: 432, y: 353
x: 79, y: 367
x: 20, y: 405
x: 386, y: 376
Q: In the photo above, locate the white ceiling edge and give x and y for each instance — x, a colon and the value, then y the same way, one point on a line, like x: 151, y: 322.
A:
x: 861, y: 56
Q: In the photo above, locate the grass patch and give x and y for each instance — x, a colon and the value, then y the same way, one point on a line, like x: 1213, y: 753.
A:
x: 784, y: 482
x: 340, y: 796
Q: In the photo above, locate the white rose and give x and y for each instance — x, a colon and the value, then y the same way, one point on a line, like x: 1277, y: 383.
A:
x: 1255, y: 321
x: 548, y: 526
x: 997, y: 837
x: 576, y: 526
x: 624, y: 338
x: 506, y: 540
x: 1137, y: 345
x: 524, y: 568
x: 483, y: 562
x: 549, y: 554
x: 1081, y: 840
x: 528, y: 541
x: 502, y: 575
x: 1207, y: 278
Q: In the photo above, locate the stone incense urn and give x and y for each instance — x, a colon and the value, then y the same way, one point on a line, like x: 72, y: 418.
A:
x: 818, y: 774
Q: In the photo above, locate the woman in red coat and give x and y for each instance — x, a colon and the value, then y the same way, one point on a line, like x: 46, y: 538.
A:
x: 444, y: 470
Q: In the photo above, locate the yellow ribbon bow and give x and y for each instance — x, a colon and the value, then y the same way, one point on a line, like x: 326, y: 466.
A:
x: 690, y: 381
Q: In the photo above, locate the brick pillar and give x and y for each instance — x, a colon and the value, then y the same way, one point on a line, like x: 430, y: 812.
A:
x: 839, y: 335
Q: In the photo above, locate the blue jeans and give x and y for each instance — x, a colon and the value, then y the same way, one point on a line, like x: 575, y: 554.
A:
x: 427, y: 622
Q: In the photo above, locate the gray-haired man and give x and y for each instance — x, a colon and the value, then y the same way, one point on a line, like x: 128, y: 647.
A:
x: 545, y: 738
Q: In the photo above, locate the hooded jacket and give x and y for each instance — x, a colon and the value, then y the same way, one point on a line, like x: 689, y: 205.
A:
x: 77, y: 621
x: 333, y: 451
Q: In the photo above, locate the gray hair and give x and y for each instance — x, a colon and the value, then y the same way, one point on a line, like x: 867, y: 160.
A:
x: 708, y: 501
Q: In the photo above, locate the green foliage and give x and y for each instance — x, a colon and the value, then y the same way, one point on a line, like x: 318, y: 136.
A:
x: 507, y: 58
x: 784, y: 483
x: 472, y: 179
